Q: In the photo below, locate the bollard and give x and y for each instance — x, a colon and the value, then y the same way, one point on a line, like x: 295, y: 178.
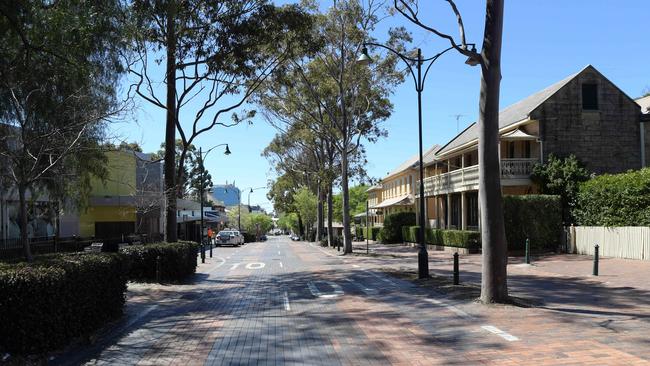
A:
x: 158, y: 269
x: 210, y: 248
x: 202, y: 253
x: 527, y: 251
x: 596, y: 260
x: 456, y: 275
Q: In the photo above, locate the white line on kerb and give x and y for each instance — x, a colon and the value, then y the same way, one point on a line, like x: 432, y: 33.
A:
x: 287, y: 307
x: 507, y: 336
x: 356, y: 266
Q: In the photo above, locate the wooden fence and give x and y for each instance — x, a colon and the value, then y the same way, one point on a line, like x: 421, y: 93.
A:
x: 632, y: 242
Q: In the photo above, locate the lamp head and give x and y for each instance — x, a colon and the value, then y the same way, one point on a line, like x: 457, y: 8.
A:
x: 227, y: 152
x: 364, y: 58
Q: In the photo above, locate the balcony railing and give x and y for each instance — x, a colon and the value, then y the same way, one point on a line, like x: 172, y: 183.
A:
x: 467, y: 178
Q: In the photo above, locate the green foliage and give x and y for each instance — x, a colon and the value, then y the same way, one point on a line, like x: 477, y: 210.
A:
x: 358, y: 199
x: 447, y: 238
x: 561, y: 177
x: 177, y: 260
x: 288, y: 221
x: 615, y: 200
x: 306, y: 204
x: 47, y: 303
x: 536, y: 217
x: 255, y: 220
x: 363, y: 232
x: 249, y: 237
x: 393, y: 223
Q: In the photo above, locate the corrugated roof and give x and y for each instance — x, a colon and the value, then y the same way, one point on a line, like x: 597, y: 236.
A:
x: 413, y: 161
x: 510, y: 115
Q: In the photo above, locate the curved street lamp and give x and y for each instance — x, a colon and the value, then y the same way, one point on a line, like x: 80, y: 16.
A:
x: 201, y: 188
x: 418, y: 79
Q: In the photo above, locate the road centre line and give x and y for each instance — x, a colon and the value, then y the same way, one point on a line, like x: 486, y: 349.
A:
x: 287, y: 306
x: 281, y: 266
x: 507, y: 336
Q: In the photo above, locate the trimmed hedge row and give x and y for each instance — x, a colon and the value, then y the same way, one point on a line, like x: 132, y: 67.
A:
x: 363, y: 232
x: 58, y: 297
x: 448, y: 238
x: 536, y: 217
x: 177, y: 260
x: 393, y: 223
x: 615, y: 200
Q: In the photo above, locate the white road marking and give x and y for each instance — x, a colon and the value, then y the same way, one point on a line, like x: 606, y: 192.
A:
x: 356, y: 266
x: 255, y: 265
x: 287, y: 307
x: 278, y: 252
x: 234, y: 266
x: 338, y: 291
x: 382, y: 278
x: 366, y: 290
x: 281, y: 266
x: 507, y: 336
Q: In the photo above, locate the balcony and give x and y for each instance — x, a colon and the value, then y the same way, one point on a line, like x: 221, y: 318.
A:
x: 513, y: 172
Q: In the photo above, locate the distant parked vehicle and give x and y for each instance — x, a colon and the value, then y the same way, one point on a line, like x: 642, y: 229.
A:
x: 229, y: 237
x: 263, y: 237
x: 295, y: 237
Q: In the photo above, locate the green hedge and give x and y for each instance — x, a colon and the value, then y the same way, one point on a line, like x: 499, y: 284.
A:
x: 58, y: 297
x: 393, y: 223
x: 536, y: 217
x: 177, y: 260
x: 448, y: 238
x: 363, y: 232
x: 615, y: 200
x: 248, y: 238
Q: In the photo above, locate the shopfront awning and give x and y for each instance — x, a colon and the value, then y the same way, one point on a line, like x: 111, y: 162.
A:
x: 404, y: 200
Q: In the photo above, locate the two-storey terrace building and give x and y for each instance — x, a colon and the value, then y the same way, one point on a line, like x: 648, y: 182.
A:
x: 584, y: 114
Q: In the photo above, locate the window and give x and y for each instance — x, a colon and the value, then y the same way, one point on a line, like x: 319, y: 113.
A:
x: 590, y: 97
x: 527, y: 150
x: 511, y: 149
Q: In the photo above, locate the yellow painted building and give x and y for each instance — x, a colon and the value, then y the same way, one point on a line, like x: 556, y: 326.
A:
x: 127, y: 201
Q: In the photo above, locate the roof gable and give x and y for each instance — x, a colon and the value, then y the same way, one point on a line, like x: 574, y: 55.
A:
x: 515, y: 112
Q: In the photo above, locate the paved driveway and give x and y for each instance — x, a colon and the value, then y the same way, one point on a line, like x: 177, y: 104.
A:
x: 284, y: 303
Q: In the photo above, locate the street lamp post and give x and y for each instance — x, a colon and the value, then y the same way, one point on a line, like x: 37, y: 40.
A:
x: 418, y: 79
x: 201, y: 188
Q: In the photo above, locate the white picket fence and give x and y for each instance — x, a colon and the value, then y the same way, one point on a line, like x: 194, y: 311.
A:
x: 632, y: 242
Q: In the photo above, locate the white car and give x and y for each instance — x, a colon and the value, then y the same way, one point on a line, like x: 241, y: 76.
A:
x: 229, y: 237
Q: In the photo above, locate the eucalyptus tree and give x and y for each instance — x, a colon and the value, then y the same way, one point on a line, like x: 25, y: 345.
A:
x: 494, y: 287
x: 345, y: 102
x: 216, y: 54
x: 59, y: 67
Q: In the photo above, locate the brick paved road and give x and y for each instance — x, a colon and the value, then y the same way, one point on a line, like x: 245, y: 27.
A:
x: 291, y: 303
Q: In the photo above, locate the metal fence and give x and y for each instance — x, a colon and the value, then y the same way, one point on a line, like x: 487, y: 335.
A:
x: 632, y: 242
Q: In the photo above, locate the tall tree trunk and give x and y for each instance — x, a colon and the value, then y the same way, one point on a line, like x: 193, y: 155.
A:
x: 319, y: 213
x: 330, y: 216
x: 347, y: 238
x: 494, y: 286
x: 301, y: 231
x: 171, y: 234
x: 24, y: 240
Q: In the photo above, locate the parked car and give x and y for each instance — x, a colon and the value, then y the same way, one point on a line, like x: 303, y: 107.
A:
x: 263, y: 237
x: 295, y: 237
x: 229, y: 237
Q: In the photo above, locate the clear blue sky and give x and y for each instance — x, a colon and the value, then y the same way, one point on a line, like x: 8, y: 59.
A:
x: 543, y: 42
